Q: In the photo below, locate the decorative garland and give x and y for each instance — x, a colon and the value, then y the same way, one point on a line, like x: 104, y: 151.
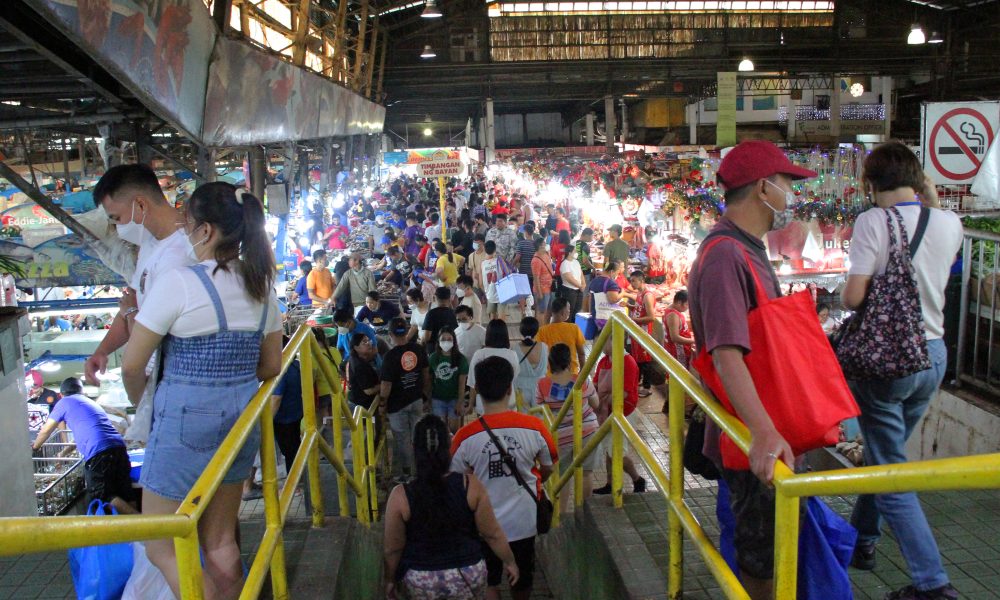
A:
x: 833, y: 197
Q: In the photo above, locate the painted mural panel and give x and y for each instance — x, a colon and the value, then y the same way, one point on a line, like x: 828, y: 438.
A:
x: 159, y: 49
x: 255, y: 97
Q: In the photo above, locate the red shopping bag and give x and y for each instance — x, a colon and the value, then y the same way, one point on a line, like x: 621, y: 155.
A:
x: 794, y: 370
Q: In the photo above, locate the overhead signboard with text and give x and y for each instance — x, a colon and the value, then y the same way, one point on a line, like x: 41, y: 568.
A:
x: 441, y: 167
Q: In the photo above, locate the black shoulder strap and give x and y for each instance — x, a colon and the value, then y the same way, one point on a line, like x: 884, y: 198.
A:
x: 918, y: 235
x: 507, y: 459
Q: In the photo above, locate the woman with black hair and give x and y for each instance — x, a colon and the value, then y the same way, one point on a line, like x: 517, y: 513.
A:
x: 497, y: 344
x: 450, y: 370
x: 532, y: 361
x: 447, y: 266
x: 219, y: 325
x: 435, y: 526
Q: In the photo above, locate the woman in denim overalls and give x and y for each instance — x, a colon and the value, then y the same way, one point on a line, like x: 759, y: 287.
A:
x: 210, y: 376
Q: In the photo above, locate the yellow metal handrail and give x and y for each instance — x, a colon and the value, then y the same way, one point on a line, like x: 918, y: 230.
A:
x: 22, y: 535
x: 969, y: 472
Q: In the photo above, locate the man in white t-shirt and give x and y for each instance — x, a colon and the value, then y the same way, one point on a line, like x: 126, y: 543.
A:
x: 467, y: 297
x: 470, y: 335
x: 490, y: 275
x: 132, y: 198
x: 526, y: 441
x: 892, y: 408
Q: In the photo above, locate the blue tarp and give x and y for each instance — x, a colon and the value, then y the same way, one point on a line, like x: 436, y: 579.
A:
x: 77, y: 202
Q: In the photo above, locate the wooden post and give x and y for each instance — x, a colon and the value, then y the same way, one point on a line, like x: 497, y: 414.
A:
x: 381, y: 67
x: 245, y: 9
x: 359, y: 48
x: 338, y: 42
x: 370, y: 66
x: 221, y: 13
x: 301, y: 26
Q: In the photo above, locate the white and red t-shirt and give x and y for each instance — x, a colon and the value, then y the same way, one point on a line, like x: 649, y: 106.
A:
x: 527, y: 440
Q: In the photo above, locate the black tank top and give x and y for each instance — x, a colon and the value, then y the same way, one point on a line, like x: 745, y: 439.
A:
x: 430, y: 548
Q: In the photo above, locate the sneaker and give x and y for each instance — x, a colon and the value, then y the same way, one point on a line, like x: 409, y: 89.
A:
x: 639, y: 486
x: 863, y: 557
x: 603, y: 490
x: 945, y: 592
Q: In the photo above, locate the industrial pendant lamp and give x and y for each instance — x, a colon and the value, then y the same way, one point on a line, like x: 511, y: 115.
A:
x: 428, y: 52
x: 916, y: 36
x: 745, y: 65
x: 431, y: 10
x: 935, y: 38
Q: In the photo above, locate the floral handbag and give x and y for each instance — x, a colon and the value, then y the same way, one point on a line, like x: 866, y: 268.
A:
x: 885, y: 339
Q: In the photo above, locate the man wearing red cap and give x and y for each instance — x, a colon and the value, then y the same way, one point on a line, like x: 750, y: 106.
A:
x: 757, y: 177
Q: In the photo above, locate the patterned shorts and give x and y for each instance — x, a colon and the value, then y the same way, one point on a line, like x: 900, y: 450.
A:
x: 466, y: 583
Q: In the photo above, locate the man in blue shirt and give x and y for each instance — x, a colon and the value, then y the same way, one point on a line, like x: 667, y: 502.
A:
x: 347, y: 326
x: 107, y: 466
x: 301, y: 287
x: 377, y: 312
x: 59, y: 323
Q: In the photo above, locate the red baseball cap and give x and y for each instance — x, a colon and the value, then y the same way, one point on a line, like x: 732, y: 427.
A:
x: 756, y: 159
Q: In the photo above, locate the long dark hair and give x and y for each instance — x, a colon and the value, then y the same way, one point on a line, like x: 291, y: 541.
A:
x: 238, y: 216
x: 454, y: 356
x: 497, y: 335
x: 431, y: 445
x: 441, y: 249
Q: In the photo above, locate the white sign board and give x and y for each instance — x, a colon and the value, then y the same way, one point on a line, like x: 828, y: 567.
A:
x: 954, y: 137
x: 448, y: 167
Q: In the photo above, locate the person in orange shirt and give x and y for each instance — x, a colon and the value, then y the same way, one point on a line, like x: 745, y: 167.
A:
x: 320, y: 280
x: 558, y: 331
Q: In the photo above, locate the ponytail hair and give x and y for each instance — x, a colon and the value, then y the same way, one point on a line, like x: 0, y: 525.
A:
x: 443, y: 249
x: 238, y: 217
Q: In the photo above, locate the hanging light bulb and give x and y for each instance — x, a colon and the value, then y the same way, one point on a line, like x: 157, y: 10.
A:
x: 428, y: 52
x: 916, y: 36
x: 935, y: 38
x: 431, y: 10
x: 428, y: 132
x: 745, y: 65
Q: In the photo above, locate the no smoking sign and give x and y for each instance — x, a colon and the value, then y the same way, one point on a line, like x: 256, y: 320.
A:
x: 955, y: 139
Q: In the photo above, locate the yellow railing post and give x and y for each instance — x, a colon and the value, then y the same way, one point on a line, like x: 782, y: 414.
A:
x: 272, y: 511
x: 358, y: 460
x: 338, y: 450
x: 675, y: 533
x: 786, y: 544
x: 617, y: 408
x: 577, y: 447
x: 306, y: 359
x: 189, y: 575
x: 372, y: 460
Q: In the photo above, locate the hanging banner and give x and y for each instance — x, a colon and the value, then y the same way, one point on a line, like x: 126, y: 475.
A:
x: 61, y: 262
x: 725, y: 125
x: 954, y: 138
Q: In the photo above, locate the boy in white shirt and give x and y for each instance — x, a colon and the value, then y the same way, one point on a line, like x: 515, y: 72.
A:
x: 468, y: 297
x: 490, y: 275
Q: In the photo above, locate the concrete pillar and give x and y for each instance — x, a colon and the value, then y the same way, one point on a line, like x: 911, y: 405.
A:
x: 589, y: 120
x: 793, y: 122
x: 82, y: 149
x: 65, y: 157
x: 624, y: 123
x: 609, y: 124
x: 491, y: 139
x: 887, y: 100
x: 693, y: 116
x: 205, y: 164
x: 835, y: 109
x: 258, y: 170
x: 304, y: 172
x: 143, y: 141
x: 325, y: 176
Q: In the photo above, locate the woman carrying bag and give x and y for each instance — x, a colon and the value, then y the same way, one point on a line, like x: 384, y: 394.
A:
x: 892, y: 351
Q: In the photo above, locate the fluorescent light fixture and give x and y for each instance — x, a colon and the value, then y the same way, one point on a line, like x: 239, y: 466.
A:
x: 916, y: 36
x: 428, y: 131
x: 935, y: 38
x: 431, y: 10
x: 745, y: 65
x: 428, y: 52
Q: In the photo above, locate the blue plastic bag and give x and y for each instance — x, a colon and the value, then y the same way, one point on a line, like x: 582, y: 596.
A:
x: 100, y: 572
x: 826, y: 542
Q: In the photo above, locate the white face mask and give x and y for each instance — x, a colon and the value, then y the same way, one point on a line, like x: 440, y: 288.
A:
x: 781, y: 217
x: 446, y: 345
x: 466, y: 326
x: 460, y: 293
x: 132, y: 232
x: 191, y: 252
x: 475, y: 245
x: 343, y: 330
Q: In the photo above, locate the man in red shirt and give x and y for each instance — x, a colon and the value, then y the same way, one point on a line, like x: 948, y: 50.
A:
x: 562, y: 223
x: 336, y: 235
x: 602, y: 380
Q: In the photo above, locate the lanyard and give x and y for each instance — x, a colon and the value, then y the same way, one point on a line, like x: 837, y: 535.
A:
x: 913, y: 203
